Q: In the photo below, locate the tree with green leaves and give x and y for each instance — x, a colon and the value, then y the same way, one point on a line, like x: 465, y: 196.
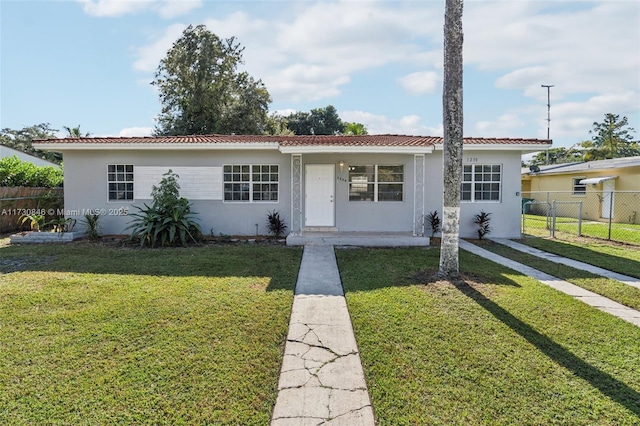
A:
x: 355, y: 129
x: 74, y: 132
x: 277, y: 125
x: 319, y: 121
x: 202, y: 91
x: 557, y: 156
x: 452, y: 141
x: 22, y: 140
x: 612, y: 138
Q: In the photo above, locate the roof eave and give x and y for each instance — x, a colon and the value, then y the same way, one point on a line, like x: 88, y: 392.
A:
x: 344, y: 149
x: 61, y: 147
x: 524, y: 148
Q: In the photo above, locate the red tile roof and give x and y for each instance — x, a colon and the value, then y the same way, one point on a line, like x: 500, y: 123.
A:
x: 341, y: 140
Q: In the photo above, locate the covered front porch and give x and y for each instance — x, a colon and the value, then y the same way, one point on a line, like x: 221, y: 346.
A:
x: 364, y: 199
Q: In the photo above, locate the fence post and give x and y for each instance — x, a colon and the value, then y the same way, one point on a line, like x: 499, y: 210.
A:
x: 580, y: 219
x: 610, y: 213
x: 553, y: 219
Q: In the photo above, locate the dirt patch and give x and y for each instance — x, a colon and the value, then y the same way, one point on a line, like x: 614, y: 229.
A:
x: 15, y: 264
x: 431, y: 281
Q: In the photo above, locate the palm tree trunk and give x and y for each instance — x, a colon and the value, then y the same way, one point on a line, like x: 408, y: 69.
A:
x: 452, y: 144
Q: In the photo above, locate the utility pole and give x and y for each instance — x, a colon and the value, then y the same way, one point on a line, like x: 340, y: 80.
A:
x: 548, y: 86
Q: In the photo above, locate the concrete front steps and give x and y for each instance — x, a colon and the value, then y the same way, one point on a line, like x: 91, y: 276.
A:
x: 333, y: 237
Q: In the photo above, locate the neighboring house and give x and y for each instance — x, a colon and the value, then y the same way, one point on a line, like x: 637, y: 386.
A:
x: 369, y: 183
x: 606, y: 179
x: 5, y: 151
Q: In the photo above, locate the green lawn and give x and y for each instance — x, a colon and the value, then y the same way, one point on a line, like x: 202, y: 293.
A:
x: 621, y: 232
x: 620, y: 258
x: 612, y: 289
x: 499, y: 348
x: 99, y: 335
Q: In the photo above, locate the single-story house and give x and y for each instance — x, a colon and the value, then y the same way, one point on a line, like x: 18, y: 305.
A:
x: 369, y: 183
x: 611, y: 183
x: 6, y: 151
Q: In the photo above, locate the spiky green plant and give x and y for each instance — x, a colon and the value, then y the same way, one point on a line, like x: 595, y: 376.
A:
x: 276, y: 224
x: 169, y: 220
x: 92, y: 222
x: 483, y: 220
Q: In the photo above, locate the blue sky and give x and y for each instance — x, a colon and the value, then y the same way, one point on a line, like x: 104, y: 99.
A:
x: 90, y: 62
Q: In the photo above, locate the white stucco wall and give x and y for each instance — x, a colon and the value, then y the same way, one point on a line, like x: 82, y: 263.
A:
x: 86, y: 190
x: 505, y: 215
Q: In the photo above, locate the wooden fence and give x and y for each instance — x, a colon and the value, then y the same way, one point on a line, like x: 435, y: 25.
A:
x: 18, y: 201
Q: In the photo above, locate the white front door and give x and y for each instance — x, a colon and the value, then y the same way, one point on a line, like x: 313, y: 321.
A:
x: 608, y: 186
x: 319, y: 195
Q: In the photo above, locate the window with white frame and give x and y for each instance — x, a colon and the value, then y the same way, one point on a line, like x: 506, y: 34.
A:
x: 579, y: 188
x: 376, y: 183
x: 481, y: 182
x: 251, y: 183
x: 120, y: 182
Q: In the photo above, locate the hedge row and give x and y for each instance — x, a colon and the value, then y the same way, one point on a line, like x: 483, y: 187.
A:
x: 14, y: 172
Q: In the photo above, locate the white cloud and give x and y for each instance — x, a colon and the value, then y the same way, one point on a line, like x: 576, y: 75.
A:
x: 380, y: 124
x: 111, y: 8
x: 149, y: 56
x: 114, y: 8
x: 172, y: 8
x: 574, y: 48
x: 420, y: 83
x: 345, y: 38
x: 136, y: 131
x: 314, y: 50
x: 589, y: 51
x: 575, y: 119
x: 311, y: 54
x: 284, y: 112
x: 307, y: 82
x: 505, y: 126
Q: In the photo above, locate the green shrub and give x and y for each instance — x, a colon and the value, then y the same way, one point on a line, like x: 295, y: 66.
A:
x: 434, y: 222
x: 14, y: 172
x: 61, y: 224
x: 36, y: 221
x: 276, y: 224
x: 483, y: 220
x: 169, y: 220
x: 92, y: 222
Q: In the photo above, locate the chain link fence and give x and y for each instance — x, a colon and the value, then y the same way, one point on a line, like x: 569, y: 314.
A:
x: 19, y: 202
x: 613, y: 215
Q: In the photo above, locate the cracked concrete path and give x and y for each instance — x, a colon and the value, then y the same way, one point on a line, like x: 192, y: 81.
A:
x: 321, y: 379
x: 590, y: 298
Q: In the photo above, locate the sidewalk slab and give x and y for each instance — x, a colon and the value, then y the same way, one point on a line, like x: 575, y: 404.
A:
x: 632, y: 281
x: 319, y: 272
x: 592, y: 299
x: 321, y: 380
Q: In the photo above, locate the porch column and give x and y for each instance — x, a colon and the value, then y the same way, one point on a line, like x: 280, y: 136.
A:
x: 296, y: 194
x: 418, y: 196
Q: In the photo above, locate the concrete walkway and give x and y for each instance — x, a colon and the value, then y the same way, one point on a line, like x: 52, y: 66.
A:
x: 586, y: 296
x: 634, y: 282
x: 321, y: 380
